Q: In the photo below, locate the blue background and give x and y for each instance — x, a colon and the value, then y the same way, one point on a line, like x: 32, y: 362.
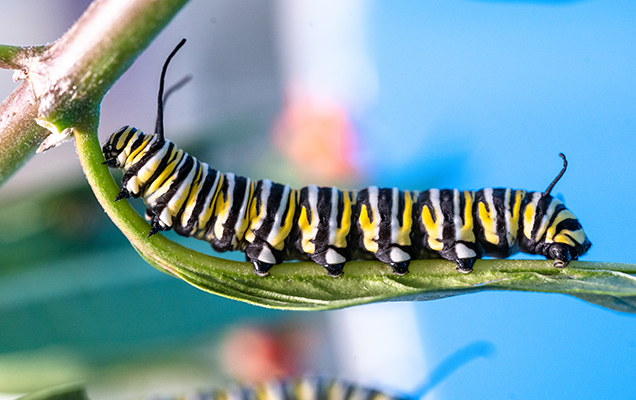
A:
x: 487, y: 93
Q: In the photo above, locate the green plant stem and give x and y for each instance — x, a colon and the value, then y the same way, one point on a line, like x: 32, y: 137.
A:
x: 8, y: 55
x: 94, y: 53
x: 20, y: 135
x: 16, y: 57
x: 67, y: 80
x: 105, y: 189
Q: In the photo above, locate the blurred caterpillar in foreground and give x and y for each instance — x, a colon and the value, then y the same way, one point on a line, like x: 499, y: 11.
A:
x: 271, y: 222
x: 301, y: 389
x: 308, y: 387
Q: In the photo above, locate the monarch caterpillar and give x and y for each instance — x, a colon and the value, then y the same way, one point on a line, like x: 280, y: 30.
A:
x: 271, y: 222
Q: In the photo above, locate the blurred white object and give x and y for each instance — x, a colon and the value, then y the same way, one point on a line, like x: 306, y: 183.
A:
x: 329, y: 83
x: 324, y: 52
x: 379, y: 345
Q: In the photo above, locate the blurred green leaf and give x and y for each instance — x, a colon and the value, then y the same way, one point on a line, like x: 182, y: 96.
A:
x: 67, y: 392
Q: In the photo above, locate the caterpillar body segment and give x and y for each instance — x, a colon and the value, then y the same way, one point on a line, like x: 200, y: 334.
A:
x: 228, y: 213
x: 301, y: 389
x: 272, y: 222
x: 323, y: 226
x: 384, y: 222
x: 497, y: 216
x: 446, y: 226
x: 271, y: 216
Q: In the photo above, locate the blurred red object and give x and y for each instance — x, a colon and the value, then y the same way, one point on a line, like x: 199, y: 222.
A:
x: 256, y: 354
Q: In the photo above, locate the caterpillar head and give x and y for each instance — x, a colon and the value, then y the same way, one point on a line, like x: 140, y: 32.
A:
x: 550, y: 229
x: 561, y: 237
x: 117, y: 147
x: 563, y: 253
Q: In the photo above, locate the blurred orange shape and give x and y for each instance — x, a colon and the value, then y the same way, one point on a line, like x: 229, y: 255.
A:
x: 319, y: 140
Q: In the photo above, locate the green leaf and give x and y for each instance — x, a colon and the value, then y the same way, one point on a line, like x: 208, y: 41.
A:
x: 306, y: 286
